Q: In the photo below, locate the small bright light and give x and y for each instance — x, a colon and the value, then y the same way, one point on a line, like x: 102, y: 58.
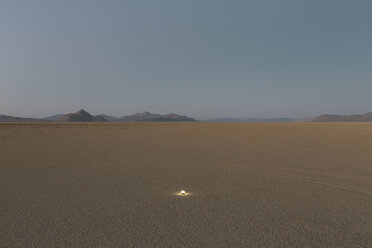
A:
x: 183, y: 193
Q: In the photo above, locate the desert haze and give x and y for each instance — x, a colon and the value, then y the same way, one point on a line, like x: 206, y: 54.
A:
x: 246, y: 185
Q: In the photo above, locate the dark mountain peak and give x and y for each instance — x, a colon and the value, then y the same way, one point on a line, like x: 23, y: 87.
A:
x: 82, y: 112
x: 81, y: 116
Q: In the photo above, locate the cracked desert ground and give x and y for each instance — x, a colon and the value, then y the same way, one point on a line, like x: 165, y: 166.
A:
x: 250, y: 185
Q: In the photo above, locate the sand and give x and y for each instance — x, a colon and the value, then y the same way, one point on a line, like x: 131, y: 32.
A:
x: 249, y: 185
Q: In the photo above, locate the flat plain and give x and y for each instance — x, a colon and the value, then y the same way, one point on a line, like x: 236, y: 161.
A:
x: 250, y: 185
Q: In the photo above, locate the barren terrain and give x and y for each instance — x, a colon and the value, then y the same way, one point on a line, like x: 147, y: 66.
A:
x: 250, y: 185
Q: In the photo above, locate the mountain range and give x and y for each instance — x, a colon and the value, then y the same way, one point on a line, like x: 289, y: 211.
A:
x: 7, y: 118
x: 84, y: 116
x: 344, y: 118
x: 149, y: 117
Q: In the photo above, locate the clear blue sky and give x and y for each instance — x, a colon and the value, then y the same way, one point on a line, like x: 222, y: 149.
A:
x: 206, y: 59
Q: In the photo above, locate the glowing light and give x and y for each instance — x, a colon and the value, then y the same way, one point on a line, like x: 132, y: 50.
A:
x: 183, y: 193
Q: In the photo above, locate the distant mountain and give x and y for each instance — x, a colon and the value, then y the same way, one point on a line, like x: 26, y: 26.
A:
x: 80, y: 116
x: 7, y: 118
x: 344, y: 118
x: 226, y: 119
x: 109, y: 118
x: 306, y: 119
x: 84, y: 116
x: 149, y: 117
x: 53, y: 117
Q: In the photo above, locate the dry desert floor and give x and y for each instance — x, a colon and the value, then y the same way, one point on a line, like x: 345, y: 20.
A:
x: 250, y: 185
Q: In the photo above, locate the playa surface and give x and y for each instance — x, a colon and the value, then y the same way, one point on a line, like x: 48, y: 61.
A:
x: 250, y: 185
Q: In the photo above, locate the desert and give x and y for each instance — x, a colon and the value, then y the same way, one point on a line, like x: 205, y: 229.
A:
x: 246, y: 184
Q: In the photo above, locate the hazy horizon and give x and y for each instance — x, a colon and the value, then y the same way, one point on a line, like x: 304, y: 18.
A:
x: 243, y: 118
x: 204, y: 59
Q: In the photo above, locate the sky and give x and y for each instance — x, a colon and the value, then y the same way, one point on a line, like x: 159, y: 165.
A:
x: 202, y: 58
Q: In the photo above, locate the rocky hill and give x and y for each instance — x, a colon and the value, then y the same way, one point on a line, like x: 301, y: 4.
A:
x: 344, y: 118
x: 149, y: 117
x: 81, y: 116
